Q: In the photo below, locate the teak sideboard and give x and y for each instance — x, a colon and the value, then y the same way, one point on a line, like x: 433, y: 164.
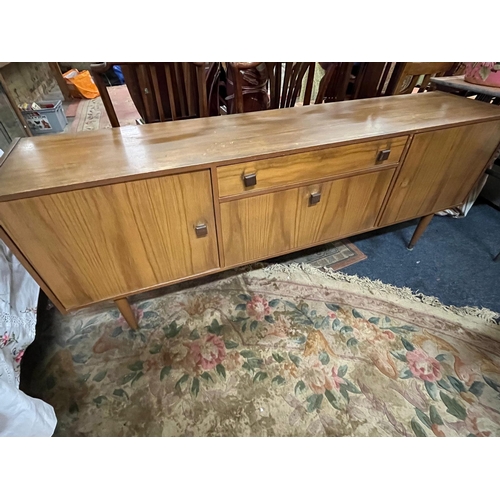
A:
x: 107, y: 214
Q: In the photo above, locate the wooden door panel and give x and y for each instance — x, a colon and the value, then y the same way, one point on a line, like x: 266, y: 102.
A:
x: 271, y: 224
x: 440, y: 170
x: 98, y: 243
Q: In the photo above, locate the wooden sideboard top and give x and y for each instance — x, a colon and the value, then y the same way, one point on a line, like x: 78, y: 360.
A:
x: 54, y: 163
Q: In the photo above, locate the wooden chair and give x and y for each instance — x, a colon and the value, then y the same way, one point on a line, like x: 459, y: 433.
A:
x: 256, y: 86
x: 407, y: 75
x: 161, y: 91
x: 285, y: 86
x: 333, y: 85
x: 372, y: 79
x: 349, y: 80
x: 246, y: 87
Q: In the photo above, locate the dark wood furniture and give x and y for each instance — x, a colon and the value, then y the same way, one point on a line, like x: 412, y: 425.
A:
x: 408, y: 74
x: 333, y: 85
x: 349, y: 80
x: 256, y: 86
x: 353, y: 81
x: 371, y: 79
x: 110, y: 213
x: 160, y: 91
x: 246, y: 87
x: 286, y: 81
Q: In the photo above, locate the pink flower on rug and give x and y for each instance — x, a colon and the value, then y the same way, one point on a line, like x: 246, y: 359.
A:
x: 423, y: 366
x: 318, y: 378
x: 19, y: 356
x: 138, y: 313
x: 258, y: 308
x: 337, y: 381
x: 332, y: 315
x: 5, y: 339
x: 208, y: 351
x: 467, y: 373
x: 388, y: 334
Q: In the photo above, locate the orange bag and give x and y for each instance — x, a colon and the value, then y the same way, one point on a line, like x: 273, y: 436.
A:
x: 80, y: 84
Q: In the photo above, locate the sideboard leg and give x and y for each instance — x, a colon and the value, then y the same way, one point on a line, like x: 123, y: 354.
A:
x: 127, y: 313
x: 422, y: 226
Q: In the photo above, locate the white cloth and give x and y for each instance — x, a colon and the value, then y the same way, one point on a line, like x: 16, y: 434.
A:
x: 20, y: 415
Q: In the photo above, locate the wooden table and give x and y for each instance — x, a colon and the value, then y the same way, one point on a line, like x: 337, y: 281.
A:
x: 104, y: 215
x: 458, y: 84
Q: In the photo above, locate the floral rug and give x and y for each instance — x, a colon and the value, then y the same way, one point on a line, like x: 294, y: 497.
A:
x: 91, y: 113
x: 273, y: 351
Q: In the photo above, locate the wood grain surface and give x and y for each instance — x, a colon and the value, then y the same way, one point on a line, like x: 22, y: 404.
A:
x: 310, y: 166
x: 27, y: 265
x: 440, y: 169
x: 62, y: 162
x: 269, y: 224
x: 99, y: 243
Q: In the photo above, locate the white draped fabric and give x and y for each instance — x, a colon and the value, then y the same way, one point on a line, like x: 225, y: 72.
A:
x: 20, y: 415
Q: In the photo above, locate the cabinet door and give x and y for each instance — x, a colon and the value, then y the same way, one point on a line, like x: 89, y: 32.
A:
x: 440, y: 170
x: 99, y: 243
x: 270, y: 224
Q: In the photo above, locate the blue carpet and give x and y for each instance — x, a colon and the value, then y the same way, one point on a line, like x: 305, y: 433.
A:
x: 453, y: 260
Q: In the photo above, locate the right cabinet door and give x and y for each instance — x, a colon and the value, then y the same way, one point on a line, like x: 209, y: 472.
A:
x: 440, y: 170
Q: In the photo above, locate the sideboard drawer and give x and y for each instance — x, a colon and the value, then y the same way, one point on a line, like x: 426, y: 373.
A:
x: 270, y: 224
x: 260, y: 175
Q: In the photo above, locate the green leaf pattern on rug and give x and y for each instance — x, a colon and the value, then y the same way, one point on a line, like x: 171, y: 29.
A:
x: 336, y: 363
x: 165, y: 371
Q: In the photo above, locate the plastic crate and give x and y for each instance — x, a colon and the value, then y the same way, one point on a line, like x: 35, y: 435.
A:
x: 48, y: 120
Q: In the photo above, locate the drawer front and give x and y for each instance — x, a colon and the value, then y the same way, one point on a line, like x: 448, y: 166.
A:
x: 98, y: 243
x: 270, y: 224
x: 304, y: 167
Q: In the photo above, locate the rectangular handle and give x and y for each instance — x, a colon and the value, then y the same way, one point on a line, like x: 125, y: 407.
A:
x: 201, y: 230
x: 383, y: 155
x: 250, y: 179
x: 314, y: 198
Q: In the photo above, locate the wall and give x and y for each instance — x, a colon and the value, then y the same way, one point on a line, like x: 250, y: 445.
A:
x: 28, y: 81
x: 65, y: 66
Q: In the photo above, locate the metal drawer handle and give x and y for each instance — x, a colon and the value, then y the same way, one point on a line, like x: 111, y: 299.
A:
x: 250, y: 179
x: 201, y: 230
x: 314, y: 198
x: 383, y: 155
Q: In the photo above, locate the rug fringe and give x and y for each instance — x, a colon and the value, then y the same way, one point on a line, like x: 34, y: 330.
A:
x: 378, y: 287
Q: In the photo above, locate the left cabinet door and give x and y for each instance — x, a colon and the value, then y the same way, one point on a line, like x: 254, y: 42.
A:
x: 98, y: 243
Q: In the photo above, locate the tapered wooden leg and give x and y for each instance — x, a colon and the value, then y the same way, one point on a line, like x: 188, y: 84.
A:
x: 127, y: 313
x: 422, y: 226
